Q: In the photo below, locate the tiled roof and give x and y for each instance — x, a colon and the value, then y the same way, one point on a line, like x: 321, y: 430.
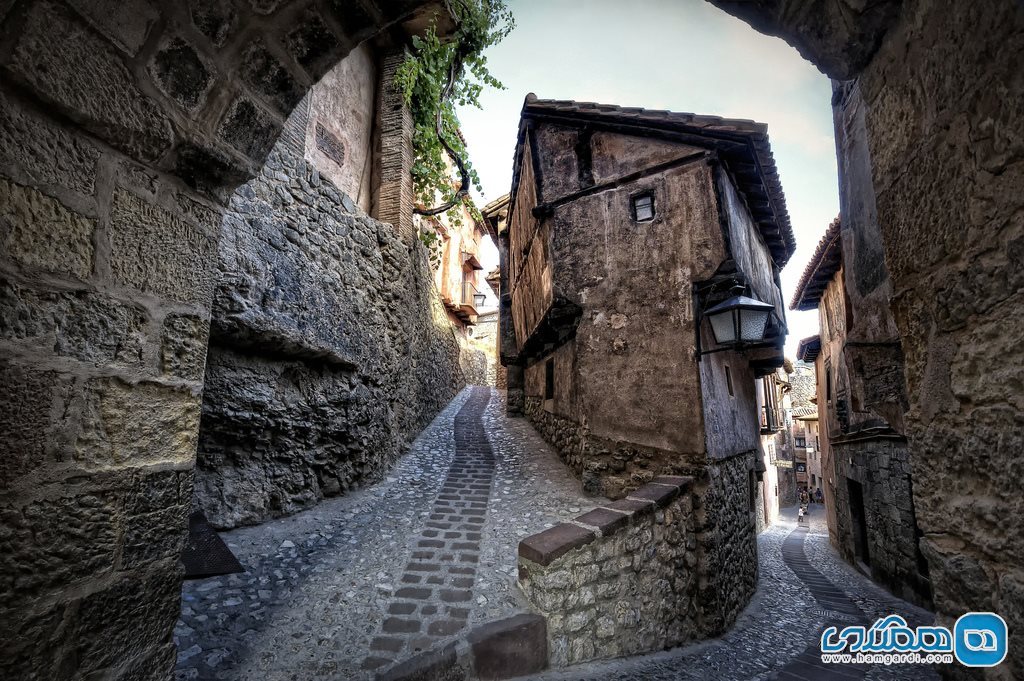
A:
x: 808, y: 349
x: 825, y: 262
x: 742, y: 144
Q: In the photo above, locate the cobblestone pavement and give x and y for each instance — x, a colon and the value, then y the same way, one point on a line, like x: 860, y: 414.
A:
x: 437, y: 586
x: 319, y: 585
x: 322, y: 586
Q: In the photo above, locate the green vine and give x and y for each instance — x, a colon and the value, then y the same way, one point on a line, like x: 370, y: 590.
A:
x: 439, y: 74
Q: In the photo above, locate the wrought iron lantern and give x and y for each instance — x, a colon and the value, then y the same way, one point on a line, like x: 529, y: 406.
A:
x: 739, y: 321
x: 479, y: 299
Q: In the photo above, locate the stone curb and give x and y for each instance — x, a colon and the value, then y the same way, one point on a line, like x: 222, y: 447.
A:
x: 544, y: 547
x: 503, y: 649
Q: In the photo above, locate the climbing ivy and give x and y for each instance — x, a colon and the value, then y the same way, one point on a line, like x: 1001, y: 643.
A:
x: 439, y: 74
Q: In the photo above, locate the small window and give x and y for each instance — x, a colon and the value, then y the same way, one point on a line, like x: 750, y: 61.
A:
x: 643, y: 207
x: 549, y: 379
x: 728, y: 381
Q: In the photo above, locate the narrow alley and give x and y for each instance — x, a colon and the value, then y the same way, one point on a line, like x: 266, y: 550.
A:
x: 362, y: 581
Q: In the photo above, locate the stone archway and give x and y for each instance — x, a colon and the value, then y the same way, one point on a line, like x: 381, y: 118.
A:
x: 929, y: 99
x: 124, y: 128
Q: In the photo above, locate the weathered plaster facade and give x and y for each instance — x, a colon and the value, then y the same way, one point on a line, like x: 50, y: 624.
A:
x: 600, y: 299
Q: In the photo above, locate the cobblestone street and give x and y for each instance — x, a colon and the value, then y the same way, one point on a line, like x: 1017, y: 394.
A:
x: 373, y: 577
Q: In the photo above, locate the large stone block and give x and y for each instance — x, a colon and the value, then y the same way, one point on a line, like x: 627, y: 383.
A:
x: 215, y: 19
x: 181, y: 73
x: 49, y: 544
x: 183, y: 346
x: 32, y: 645
x: 72, y: 67
x: 28, y: 437
x: 125, y: 22
x: 45, y: 153
x: 249, y: 129
x: 132, y: 425
x: 150, y: 537
x: 129, y: 619
x: 267, y: 75
x: 38, y: 231
x: 156, y: 251
x: 85, y: 325
x: 313, y: 44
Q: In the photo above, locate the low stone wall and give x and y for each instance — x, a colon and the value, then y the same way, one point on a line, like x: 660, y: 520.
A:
x: 621, y: 579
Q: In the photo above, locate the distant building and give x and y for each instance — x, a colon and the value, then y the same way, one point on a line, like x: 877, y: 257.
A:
x: 864, y: 458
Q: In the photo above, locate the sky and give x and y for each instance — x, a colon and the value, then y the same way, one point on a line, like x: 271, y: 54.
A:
x: 681, y: 55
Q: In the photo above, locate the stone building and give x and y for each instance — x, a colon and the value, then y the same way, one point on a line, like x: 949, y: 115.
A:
x: 865, y: 459
x: 455, y: 243
x: 927, y: 103
x: 623, y: 227
x: 774, y: 419
x: 667, y: 194
x: 803, y: 426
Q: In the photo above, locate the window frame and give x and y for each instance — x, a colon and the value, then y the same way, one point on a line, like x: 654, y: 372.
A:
x: 635, y: 198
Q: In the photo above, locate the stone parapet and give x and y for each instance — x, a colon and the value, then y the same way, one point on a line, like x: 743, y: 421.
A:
x: 621, y: 579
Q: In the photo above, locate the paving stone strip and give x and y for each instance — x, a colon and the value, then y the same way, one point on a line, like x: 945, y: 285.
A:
x: 433, y: 599
x: 837, y: 608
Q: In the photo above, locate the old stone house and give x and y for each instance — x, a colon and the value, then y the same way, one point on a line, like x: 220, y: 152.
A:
x: 865, y: 459
x: 623, y: 227
x: 802, y: 426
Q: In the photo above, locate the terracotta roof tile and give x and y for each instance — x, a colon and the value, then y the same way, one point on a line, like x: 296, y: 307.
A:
x: 825, y: 262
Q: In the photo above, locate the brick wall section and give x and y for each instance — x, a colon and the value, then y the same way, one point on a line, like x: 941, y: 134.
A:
x: 621, y: 579
x: 393, y: 198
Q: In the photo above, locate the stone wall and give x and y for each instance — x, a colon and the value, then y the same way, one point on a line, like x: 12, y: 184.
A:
x: 725, y: 506
x: 329, y: 350
x: 674, y: 561
x: 944, y: 103
x: 619, y: 580
x: 882, y: 467
x: 123, y: 128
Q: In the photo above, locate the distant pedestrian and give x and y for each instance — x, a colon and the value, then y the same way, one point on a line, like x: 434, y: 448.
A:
x: 800, y: 515
x: 819, y: 496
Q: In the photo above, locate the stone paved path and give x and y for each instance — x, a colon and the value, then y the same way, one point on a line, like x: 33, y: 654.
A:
x: 319, y: 585
x: 437, y: 585
x: 342, y: 590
